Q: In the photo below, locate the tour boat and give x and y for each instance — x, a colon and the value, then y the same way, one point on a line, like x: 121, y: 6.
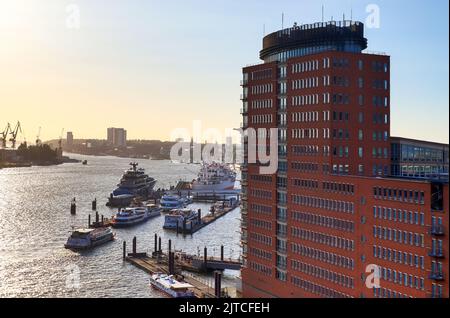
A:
x: 169, y: 202
x: 214, y: 177
x: 171, y: 286
x: 88, y: 238
x: 131, y: 216
x: 178, y: 217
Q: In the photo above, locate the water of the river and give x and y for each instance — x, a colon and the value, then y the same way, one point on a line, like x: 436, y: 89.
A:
x: 35, y: 222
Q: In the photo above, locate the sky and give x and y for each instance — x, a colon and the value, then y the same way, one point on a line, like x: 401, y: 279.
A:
x: 155, y: 66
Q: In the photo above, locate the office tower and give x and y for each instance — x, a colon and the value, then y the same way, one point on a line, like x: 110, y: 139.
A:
x: 117, y: 137
x: 334, y: 207
x: 69, y: 139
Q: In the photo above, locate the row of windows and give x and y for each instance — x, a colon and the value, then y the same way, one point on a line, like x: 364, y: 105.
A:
x: 343, y: 188
x: 261, y: 224
x: 262, y: 119
x: 341, y: 134
x: 305, y: 117
x: 320, y: 272
x: 260, y: 238
x: 325, y: 239
x: 263, y: 74
x: 305, y: 166
x: 305, y: 83
x: 380, y: 152
x: 261, y: 178
x: 301, y: 100
x: 260, y: 253
x: 400, y: 278
x: 262, y: 89
x: 305, y: 66
x: 309, y: 150
x: 305, y: 183
x: 262, y: 194
x: 262, y: 103
x: 387, y: 293
x: 411, y: 196
x: 324, y: 221
x: 261, y: 209
x: 260, y: 268
x: 316, y: 202
x: 305, y: 133
x: 399, y: 215
x: 317, y: 289
x: 399, y: 236
x: 400, y: 257
x: 323, y: 256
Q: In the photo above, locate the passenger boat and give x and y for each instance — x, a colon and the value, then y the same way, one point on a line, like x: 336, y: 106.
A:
x: 169, y: 202
x: 134, y: 182
x: 224, y: 205
x: 214, y: 177
x: 171, y: 286
x: 132, y: 216
x: 178, y: 217
x: 82, y: 239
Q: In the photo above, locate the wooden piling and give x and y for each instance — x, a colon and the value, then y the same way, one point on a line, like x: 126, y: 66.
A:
x: 159, y: 245
x: 124, y: 251
x: 221, y: 252
x: 205, y: 258
x: 156, y: 243
x: 94, y: 204
x: 89, y: 221
x: 217, y: 284
x: 134, y: 245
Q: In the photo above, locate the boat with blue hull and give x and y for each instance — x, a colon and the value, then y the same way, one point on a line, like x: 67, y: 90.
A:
x: 172, y: 287
x: 134, y: 182
x: 131, y: 216
x: 169, y: 202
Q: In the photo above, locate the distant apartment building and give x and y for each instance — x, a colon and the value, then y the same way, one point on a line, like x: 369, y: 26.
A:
x: 69, y: 139
x: 346, y: 195
x: 117, y: 137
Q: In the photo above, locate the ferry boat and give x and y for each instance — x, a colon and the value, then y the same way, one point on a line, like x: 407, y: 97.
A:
x: 131, y: 216
x: 171, y: 286
x: 169, y: 202
x: 214, y: 177
x: 224, y: 205
x: 134, y: 182
x: 82, y: 239
x: 180, y: 216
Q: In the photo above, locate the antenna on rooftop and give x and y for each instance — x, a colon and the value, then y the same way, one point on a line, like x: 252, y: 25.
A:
x: 322, y: 13
x: 264, y: 29
x: 282, y: 20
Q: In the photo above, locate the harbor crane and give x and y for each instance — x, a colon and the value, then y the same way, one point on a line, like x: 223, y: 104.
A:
x: 4, y: 136
x: 14, y: 133
x: 38, y: 140
x: 60, y: 139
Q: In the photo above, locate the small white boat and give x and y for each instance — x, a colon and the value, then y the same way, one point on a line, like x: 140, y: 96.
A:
x: 88, y: 238
x: 169, y: 202
x: 177, y: 217
x: 131, y: 216
x: 171, y: 286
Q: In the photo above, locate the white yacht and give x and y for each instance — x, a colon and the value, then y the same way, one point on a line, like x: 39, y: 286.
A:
x: 131, y: 216
x: 214, y: 177
x: 171, y: 286
x: 88, y: 238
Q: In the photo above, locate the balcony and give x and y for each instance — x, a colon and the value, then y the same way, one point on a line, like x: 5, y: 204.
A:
x: 437, y: 230
x: 244, y: 96
x: 437, y: 254
x: 437, y: 276
x: 244, y: 125
x: 244, y: 82
x: 244, y: 111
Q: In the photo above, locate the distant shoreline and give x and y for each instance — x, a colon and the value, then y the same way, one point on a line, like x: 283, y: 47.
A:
x: 65, y: 159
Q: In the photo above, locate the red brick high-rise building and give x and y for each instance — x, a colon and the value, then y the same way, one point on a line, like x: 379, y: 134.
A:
x: 335, y: 205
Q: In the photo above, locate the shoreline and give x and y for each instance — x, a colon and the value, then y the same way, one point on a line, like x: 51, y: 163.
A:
x: 9, y: 165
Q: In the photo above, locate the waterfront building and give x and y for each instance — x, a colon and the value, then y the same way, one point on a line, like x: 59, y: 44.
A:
x: 117, y: 137
x: 69, y: 139
x: 339, y: 201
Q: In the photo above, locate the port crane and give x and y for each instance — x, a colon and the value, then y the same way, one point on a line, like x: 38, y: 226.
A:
x: 38, y: 140
x: 4, y: 136
x: 60, y: 139
x: 14, y: 133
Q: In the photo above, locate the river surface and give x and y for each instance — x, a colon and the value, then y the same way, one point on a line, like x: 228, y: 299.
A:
x: 35, y: 222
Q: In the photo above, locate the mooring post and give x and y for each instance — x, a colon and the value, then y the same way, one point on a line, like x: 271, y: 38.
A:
x: 221, y: 253
x: 103, y: 220
x: 218, y: 284
x: 94, y: 204
x: 159, y: 243
x: 134, y: 245
x: 124, y: 250
x: 73, y: 207
x: 156, y: 243
x: 205, y: 258
x: 89, y: 221
x: 170, y: 246
x: 199, y: 214
x: 96, y: 218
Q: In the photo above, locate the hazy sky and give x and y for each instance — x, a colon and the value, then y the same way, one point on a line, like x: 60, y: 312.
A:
x: 152, y: 66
